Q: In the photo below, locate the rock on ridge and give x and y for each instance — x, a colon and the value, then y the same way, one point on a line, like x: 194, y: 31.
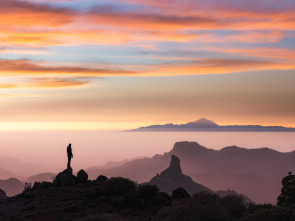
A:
x: 65, y: 178
x: 82, y: 176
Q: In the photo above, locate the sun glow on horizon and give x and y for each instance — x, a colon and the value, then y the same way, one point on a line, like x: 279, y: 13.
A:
x: 98, y: 125
x: 68, y: 126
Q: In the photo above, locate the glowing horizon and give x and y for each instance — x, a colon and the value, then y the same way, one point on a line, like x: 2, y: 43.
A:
x: 92, y: 125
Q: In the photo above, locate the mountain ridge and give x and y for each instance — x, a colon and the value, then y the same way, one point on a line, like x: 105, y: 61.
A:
x: 204, y: 124
x: 247, y: 171
x: 11, y: 186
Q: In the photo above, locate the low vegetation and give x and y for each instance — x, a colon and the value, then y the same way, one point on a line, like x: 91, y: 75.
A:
x: 120, y: 198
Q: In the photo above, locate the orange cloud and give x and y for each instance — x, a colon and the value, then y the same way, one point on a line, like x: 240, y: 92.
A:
x: 25, y: 67
x: 218, y: 66
x: 228, y: 16
x: 62, y: 37
x: 30, y: 24
x: 287, y: 55
x: 197, y: 67
x: 7, y: 86
x: 151, y: 21
x: 55, y: 83
x: 26, y: 23
x: 253, y: 37
x: 14, y: 13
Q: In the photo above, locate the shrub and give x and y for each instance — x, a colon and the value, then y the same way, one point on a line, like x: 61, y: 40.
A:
x: 101, y: 179
x: 119, y: 186
x: 274, y: 213
x: 180, y: 193
x: 147, y: 191
x: 41, y: 185
x: 201, y: 206
x: 235, y: 204
x: 287, y: 196
x: 164, y: 199
x: 27, y: 187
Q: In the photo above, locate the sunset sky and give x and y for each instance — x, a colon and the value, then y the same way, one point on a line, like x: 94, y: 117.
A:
x: 121, y: 64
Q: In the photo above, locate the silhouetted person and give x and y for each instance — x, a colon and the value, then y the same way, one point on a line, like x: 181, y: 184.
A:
x: 70, y: 155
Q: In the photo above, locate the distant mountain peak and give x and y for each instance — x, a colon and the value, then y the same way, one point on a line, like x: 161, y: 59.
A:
x: 203, y: 122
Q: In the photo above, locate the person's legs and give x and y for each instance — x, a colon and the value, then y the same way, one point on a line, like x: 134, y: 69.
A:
x: 69, y: 162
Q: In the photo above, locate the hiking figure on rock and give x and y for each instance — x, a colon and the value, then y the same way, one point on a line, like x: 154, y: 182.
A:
x: 70, y: 156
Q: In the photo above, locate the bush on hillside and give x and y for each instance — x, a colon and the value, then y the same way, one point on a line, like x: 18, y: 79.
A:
x: 119, y: 186
x: 273, y: 213
x: 42, y: 185
x: 27, y: 187
x: 203, y: 206
x: 147, y: 191
x: 287, y: 196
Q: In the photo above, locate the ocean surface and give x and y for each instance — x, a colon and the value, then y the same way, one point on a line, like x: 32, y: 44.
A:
x: 47, y: 149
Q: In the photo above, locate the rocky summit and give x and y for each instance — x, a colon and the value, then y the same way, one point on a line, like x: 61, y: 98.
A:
x: 173, y: 178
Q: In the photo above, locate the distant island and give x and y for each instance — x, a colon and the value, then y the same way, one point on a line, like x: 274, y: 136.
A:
x: 208, y: 125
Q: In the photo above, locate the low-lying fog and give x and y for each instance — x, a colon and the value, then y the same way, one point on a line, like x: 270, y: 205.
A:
x: 27, y: 153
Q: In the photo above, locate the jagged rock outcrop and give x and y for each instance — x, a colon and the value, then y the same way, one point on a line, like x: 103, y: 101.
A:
x: 2, y: 194
x: 174, y: 169
x: 65, y: 178
x: 82, y: 176
x: 173, y: 178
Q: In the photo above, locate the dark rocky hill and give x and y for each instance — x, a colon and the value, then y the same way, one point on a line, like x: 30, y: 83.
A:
x: 6, y: 174
x: 12, y: 186
x: 2, y: 194
x: 48, y: 177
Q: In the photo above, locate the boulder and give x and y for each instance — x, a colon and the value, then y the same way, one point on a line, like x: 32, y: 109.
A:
x: 82, y: 177
x: 68, y: 171
x: 2, y: 194
x: 65, y: 178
